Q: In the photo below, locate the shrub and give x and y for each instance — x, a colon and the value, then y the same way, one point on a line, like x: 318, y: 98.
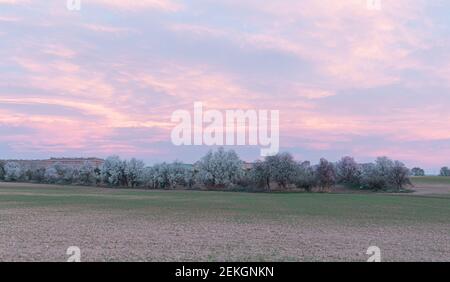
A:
x: 51, y: 175
x: 168, y: 176
x: 37, y: 175
x: 445, y: 171
x: 259, y: 175
x: 13, y: 171
x: 371, y: 178
x: 87, y: 174
x: 385, y: 174
x: 305, y: 176
x: 2, y: 170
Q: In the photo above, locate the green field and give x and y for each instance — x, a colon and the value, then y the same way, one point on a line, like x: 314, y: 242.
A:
x: 277, y: 205
x: 431, y: 180
x: 147, y: 225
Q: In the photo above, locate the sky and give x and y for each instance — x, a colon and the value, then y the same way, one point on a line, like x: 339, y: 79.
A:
x: 347, y: 79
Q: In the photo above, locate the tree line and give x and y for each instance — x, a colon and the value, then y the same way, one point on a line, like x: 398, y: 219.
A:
x: 222, y: 170
x: 417, y: 171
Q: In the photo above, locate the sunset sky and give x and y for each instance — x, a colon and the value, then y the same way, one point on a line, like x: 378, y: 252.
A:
x: 347, y: 80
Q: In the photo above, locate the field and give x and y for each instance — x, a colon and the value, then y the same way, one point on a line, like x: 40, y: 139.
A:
x: 39, y: 223
x: 432, y: 185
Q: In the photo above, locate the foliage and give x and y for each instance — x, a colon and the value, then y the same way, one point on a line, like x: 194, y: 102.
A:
x: 348, y: 171
x: 13, y: 171
x: 305, y: 177
x: 224, y: 170
x: 326, y: 175
x: 385, y: 174
x: 417, y: 171
x: 113, y: 172
x: 445, y: 171
x: 2, y: 170
x: 219, y: 169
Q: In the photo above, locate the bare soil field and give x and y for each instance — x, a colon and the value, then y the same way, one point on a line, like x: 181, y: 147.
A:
x: 439, y: 186
x: 39, y: 223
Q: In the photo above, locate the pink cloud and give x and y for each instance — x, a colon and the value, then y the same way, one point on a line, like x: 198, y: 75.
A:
x: 9, y: 19
x: 107, y: 29
x: 11, y: 2
x: 59, y: 51
x: 165, y: 64
x: 136, y: 5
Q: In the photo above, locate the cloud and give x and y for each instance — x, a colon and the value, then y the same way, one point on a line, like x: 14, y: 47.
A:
x: 59, y: 51
x: 344, y: 41
x: 9, y: 19
x: 137, y: 5
x: 345, y: 79
x: 12, y: 2
x: 106, y: 29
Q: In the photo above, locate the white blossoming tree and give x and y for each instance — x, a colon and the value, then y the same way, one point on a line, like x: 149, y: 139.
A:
x: 13, y: 171
x: 219, y: 169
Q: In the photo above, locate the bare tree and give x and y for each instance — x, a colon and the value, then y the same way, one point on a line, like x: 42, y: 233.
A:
x: 51, y: 175
x: 260, y: 175
x: 348, y: 171
x: 305, y: 177
x: 417, y: 171
x: 87, y: 174
x: 400, y: 175
x: 326, y: 175
x: 371, y: 178
x: 385, y: 174
x: 280, y: 168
